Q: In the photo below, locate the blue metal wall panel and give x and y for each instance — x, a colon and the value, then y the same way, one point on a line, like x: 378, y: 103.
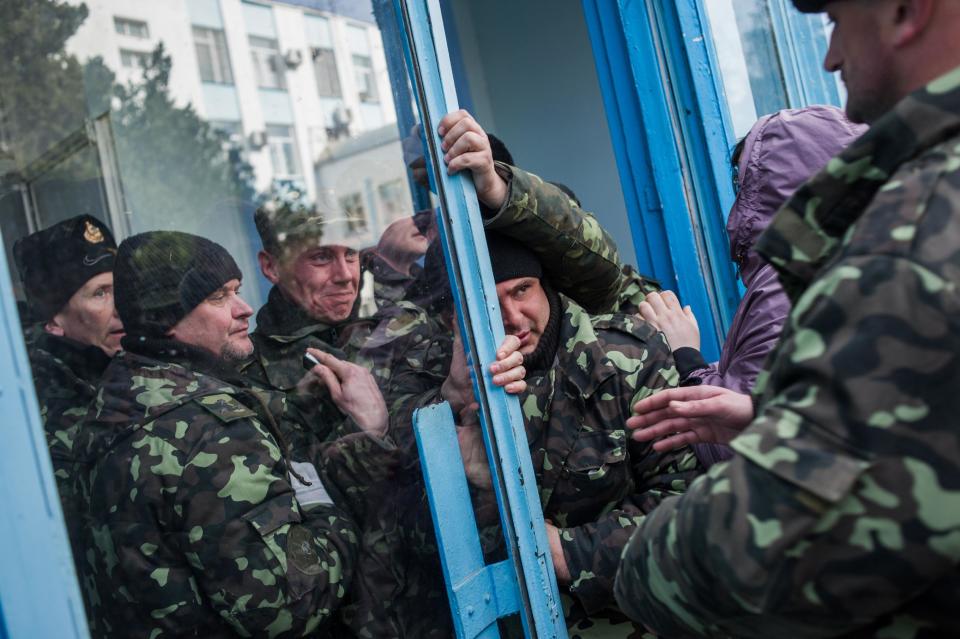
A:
x: 39, y: 596
x: 465, y: 250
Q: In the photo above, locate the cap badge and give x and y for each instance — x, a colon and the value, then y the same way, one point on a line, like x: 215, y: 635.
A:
x: 91, y: 233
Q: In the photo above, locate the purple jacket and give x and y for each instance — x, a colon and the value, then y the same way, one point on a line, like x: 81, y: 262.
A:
x: 780, y: 153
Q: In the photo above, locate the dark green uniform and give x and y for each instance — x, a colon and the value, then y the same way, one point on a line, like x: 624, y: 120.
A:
x: 199, y: 523
x: 839, y: 515
x: 595, y: 483
x: 65, y: 375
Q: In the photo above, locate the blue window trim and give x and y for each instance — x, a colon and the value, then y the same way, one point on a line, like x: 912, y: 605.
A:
x: 650, y: 58
x: 465, y: 252
x: 39, y: 594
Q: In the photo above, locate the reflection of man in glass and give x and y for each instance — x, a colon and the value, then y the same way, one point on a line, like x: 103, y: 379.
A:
x: 218, y: 525
x: 67, y: 275
x: 393, y: 263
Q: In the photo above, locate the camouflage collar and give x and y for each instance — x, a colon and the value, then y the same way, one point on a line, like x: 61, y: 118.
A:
x: 84, y: 361
x: 283, y: 321
x: 579, y: 354
x: 809, y: 230
x: 141, y: 385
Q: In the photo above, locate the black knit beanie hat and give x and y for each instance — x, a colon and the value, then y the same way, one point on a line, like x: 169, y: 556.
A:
x: 511, y: 259
x: 160, y: 276
x: 56, y: 262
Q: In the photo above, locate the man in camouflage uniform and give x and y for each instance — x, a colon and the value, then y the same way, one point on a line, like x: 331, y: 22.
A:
x: 202, y: 522
x: 393, y: 262
x: 839, y: 515
x: 67, y: 276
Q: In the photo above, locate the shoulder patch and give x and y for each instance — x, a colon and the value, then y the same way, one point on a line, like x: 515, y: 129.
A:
x: 225, y: 407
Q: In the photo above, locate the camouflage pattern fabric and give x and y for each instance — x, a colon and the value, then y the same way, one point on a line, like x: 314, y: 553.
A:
x: 389, y: 285
x: 579, y: 257
x: 839, y: 515
x: 195, y: 526
x: 65, y: 376
x: 595, y: 483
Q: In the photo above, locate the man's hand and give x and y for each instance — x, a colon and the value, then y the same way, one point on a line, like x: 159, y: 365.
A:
x: 556, y: 553
x: 663, y: 310
x: 508, y: 372
x: 472, y: 450
x: 465, y: 146
x: 353, y: 390
x: 691, y: 415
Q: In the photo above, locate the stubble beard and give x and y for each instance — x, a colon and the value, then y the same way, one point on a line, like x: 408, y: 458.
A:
x: 236, y: 353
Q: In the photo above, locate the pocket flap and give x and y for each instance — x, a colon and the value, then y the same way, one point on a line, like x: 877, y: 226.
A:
x: 274, y: 513
x: 812, y: 459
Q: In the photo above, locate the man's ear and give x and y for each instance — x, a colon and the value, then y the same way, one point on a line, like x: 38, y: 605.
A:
x: 911, y: 19
x: 55, y: 326
x: 269, y: 266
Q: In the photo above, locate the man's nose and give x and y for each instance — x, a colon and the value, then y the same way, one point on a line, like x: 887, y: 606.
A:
x: 341, y: 269
x: 241, y: 310
x: 510, y: 316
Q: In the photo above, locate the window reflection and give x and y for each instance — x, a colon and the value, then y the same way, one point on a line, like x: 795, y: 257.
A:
x: 251, y: 155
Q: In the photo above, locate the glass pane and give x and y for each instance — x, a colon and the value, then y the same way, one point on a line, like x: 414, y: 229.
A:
x: 749, y: 62
x: 212, y: 482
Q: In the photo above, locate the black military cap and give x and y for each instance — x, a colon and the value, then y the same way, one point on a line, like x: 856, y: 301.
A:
x: 56, y: 262
x: 161, y: 276
x: 511, y: 259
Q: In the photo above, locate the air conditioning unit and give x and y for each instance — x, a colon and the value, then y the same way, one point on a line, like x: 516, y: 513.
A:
x: 258, y: 140
x: 293, y: 58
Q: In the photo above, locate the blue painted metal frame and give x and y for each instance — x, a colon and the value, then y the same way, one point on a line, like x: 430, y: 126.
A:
x: 478, y: 594
x: 39, y: 595
x: 707, y: 133
x: 802, y: 44
x: 465, y: 251
x: 652, y: 157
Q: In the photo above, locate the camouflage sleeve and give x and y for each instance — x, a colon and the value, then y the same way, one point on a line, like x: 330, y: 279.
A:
x: 268, y: 566
x: 840, y: 506
x: 592, y: 551
x: 578, y: 255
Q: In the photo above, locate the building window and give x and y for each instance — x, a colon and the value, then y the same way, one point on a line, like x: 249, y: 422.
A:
x: 267, y: 63
x: 324, y: 60
x: 366, y: 82
x: 325, y: 70
x: 283, y: 151
x: 133, y: 28
x: 134, y: 59
x: 355, y: 212
x: 212, y: 55
x: 395, y: 200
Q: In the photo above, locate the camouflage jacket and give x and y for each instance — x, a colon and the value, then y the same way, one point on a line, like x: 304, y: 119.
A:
x: 284, y: 333
x: 65, y: 376
x: 198, y: 526
x: 389, y: 285
x: 595, y: 483
x: 578, y: 255
x: 840, y: 513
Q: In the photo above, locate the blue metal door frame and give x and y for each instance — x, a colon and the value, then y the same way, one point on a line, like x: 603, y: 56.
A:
x: 526, y: 581
x: 671, y: 131
x: 671, y: 136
